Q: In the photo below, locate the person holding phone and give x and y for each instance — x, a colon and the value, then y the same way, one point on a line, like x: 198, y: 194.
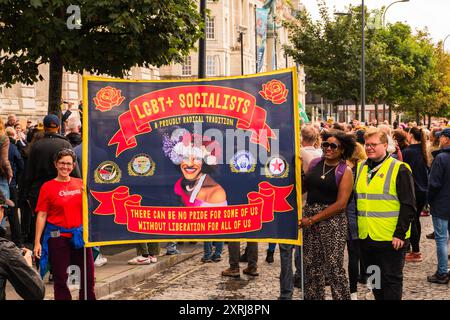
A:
x: 16, y: 266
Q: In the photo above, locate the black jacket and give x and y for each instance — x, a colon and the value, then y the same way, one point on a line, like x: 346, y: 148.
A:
x: 40, y: 166
x: 439, y: 187
x: 16, y: 161
x: 74, y: 138
x: 13, y: 268
x: 413, y: 156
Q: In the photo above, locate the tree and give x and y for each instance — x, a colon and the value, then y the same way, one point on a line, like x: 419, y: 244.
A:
x: 405, y: 70
x: 331, y: 52
x: 328, y: 52
x: 438, y: 100
x: 115, y: 35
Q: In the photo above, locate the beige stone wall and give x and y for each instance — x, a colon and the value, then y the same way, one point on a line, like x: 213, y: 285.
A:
x: 31, y: 101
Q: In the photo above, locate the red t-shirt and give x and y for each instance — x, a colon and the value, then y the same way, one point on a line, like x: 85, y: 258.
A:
x: 63, y: 203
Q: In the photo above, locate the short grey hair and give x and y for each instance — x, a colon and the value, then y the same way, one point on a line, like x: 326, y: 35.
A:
x: 73, y: 123
x: 309, y: 134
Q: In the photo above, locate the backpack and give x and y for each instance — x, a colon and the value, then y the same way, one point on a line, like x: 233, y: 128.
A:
x: 340, y: 168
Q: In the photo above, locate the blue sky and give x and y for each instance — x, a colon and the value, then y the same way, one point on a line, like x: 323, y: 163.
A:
x: 434, y: 14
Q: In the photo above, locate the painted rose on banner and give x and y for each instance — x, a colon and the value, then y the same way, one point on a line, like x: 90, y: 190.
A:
x: 274, y: 91
x: 108, y: 98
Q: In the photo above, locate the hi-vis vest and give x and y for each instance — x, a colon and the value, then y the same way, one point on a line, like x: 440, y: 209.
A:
x: 377, y: 203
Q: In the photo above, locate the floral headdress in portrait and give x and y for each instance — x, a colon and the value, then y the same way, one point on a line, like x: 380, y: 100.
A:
x: 182, y: 145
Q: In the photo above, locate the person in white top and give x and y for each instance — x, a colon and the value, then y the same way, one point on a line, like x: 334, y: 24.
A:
x: 308, y: 152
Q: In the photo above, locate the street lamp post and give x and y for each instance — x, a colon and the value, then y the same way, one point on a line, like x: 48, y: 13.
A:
x: 384, y: 13
x: 363, y: 64
x: 241, y: 32
x: 443, y: 43
x: 384, y: 25
x: 241, y: 40
x: 202, y: 44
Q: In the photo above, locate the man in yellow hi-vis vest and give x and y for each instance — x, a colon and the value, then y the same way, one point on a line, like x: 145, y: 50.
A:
x: 385, y: 202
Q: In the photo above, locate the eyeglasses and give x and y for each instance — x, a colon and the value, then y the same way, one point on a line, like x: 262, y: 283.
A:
x: 372, y: 145
x: 332, y: 145
x: 65, y: 164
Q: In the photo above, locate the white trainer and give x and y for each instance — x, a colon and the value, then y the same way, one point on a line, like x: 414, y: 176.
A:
x: 139, y: 260
x: 100, y: 261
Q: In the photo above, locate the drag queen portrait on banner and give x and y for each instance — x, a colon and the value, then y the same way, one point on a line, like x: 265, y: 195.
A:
x: 197, y: 156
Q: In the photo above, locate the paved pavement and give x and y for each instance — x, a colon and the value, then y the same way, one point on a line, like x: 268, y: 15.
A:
x: 117, y: 274
x: 185, y: 277
x: 193, y: 280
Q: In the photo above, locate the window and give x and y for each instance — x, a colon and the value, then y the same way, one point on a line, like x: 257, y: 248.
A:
x: 210, y: 66
x: 226, y: 66
x: 186, y: 67
x: 209, y: 27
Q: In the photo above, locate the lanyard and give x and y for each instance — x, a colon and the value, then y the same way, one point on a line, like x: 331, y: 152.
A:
x: 373, y: 170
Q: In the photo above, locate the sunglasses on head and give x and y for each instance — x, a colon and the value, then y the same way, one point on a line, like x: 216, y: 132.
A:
x: 332, y: 145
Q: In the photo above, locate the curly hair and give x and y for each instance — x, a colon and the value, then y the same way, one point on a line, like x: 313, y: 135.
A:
x: 347, y: 141
x: 64, y: 153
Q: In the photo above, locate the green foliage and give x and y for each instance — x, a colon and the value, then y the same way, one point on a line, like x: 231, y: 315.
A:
x: 403, y: 69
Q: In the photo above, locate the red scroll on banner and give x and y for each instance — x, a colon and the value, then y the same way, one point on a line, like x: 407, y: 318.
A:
x: 193, y: 99
x: 127, y: 210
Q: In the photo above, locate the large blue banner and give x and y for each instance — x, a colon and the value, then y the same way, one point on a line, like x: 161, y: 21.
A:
x: 192, y: 160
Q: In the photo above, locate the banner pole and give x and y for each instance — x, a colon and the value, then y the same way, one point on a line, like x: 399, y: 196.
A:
x: 303, y: 269
x: 256, y: 42
x: 85, y: 273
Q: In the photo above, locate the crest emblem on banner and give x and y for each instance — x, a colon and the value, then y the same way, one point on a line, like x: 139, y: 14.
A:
x: 277, y: 167
x: 107, y: 172
x: 141, y: 165
x: 243, y: 162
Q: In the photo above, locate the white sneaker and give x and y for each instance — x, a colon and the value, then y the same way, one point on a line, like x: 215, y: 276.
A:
x: 354, y: 296
x: 100, y: 261
x: 153, y: 259
x: 139, y: 260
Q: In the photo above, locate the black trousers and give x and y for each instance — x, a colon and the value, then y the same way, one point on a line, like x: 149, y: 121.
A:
x: 356, y: 266
x: 13, y: 217
x: 381, y: 254
x: 416, y: 229
x: 26, y: 222
x: 234, y: 250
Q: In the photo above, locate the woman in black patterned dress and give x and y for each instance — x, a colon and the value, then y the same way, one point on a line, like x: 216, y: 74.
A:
x: 329, y: 183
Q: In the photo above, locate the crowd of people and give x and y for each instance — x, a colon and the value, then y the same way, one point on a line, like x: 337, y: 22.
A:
x: 365, y: 188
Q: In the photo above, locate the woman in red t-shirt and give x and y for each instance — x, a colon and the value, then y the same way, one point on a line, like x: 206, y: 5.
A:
x: 60, y: 205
